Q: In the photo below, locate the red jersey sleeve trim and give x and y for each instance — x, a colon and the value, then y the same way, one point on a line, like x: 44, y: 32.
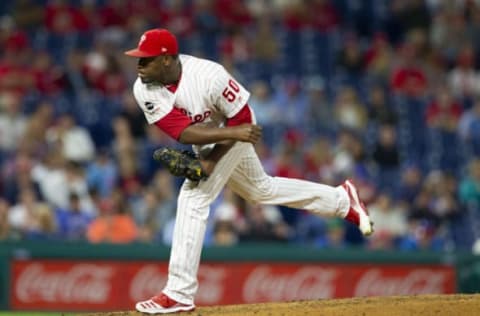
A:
x: 243, y: 116
x: 174, y: 123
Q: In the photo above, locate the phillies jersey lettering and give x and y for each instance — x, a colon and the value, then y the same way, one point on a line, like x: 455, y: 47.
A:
x: 198, y: 118
x: 205, y: 87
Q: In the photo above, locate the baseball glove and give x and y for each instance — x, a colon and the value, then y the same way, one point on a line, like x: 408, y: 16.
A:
x: 180, y: 163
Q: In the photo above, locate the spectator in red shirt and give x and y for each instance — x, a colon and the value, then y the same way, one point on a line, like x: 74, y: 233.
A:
x: 233, y: 13
x: 177, y: 17
x: 11, y: 38
x: 146, y: 9
x: 15, y: 75
x: 62, y: 18
x: 112, y: 82
x: 49, y: 78
x: 287, y: 165
x: 295, y: 16
x: 323, y: 16
x: 235, y: 46
x: 409, y: 78
x: 444, y: 111
x: 114, y: 13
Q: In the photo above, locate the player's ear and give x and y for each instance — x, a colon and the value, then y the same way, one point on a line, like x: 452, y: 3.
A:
x: 166, y: 60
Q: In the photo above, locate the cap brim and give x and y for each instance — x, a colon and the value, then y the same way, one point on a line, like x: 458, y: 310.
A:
x: 138, y: 53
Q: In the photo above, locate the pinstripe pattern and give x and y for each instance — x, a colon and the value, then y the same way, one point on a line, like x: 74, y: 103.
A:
x: 201, y: 88
x: 190, y: 225
x: 206, y: 86
x: 250, y: 181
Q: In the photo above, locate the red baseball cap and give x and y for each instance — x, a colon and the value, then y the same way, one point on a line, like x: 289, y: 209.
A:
x: 154, y: 43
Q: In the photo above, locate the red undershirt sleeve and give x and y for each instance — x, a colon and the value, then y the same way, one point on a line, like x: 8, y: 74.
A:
x: 174, y: 123
x: 243, y: 116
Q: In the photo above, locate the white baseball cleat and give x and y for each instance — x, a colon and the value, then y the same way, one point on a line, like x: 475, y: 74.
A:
x: 162, y: 304
x: 357, y: 213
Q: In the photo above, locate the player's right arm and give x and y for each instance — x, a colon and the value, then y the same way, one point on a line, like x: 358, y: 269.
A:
x: 200, y: 134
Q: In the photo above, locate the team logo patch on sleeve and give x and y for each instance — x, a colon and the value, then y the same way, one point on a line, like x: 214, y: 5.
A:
x: 149, y: 105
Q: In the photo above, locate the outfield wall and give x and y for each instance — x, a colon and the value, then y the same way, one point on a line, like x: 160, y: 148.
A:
x: 85, y: 277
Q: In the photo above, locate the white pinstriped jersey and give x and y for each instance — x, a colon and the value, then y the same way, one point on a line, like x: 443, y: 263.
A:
x: 204, y: 87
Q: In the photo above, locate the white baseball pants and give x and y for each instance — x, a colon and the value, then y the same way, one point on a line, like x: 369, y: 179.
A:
x: 240, y: 169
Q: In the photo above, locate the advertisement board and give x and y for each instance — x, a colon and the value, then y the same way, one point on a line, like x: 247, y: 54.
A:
x: 115, y: 285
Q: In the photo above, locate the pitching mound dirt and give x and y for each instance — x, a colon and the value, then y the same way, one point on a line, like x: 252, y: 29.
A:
x: 424, y: 305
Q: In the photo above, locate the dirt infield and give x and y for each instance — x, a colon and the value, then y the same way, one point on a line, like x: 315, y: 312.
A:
x: 426, y: 305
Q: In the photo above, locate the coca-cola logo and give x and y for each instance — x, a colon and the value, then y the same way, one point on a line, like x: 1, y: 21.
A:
x: 263, y: 284
x: 82, y: 283
x: 212, y: 283
x: 418, y: 281
x: 150, y: 280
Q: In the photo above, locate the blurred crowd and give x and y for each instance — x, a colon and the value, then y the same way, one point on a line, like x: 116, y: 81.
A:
x: 384, y: 92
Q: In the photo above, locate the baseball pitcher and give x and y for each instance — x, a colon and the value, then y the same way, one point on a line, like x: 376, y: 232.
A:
x: 177, y: 92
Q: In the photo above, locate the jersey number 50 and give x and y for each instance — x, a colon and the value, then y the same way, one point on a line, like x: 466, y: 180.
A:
x: 230, y: 92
